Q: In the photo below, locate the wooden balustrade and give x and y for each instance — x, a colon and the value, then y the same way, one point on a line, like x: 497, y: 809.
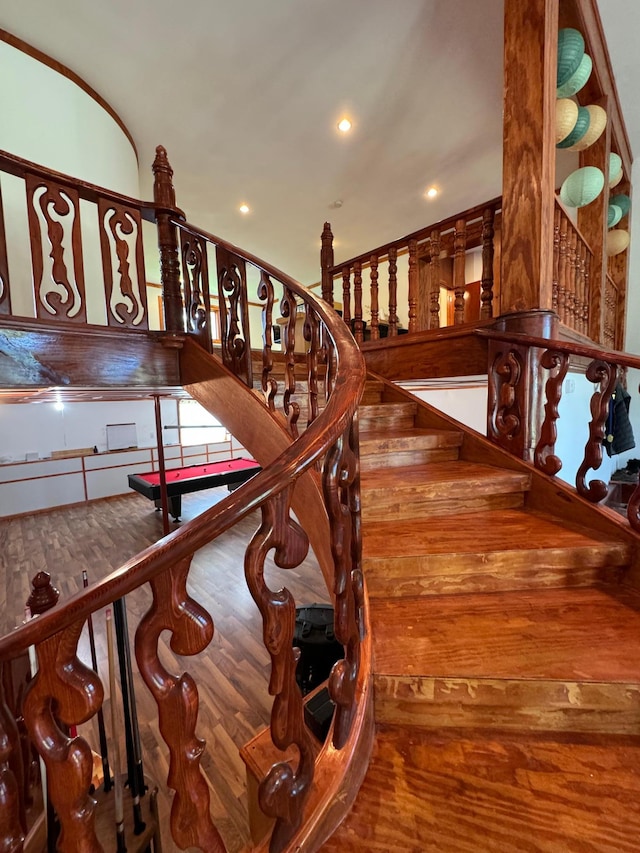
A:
x: 509, y: 393
x: 572, y: 261
x: 290, y: 520
x: 610, y: 312
x: 436, y: 261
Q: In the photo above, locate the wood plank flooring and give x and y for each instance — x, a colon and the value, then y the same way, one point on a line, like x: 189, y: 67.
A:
x: 232, y: 674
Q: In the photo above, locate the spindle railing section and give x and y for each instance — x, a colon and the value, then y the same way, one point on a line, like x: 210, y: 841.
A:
x: 572, y: 262
x: 514, y: 357
x: 65, y: 692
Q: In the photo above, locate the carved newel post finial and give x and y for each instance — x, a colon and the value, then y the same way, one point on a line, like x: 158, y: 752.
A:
x: 44, y: 594
x: 164, y: 193
x: 326, y: 263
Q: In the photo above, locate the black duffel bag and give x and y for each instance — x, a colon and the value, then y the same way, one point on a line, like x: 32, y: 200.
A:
x: 319, y: 649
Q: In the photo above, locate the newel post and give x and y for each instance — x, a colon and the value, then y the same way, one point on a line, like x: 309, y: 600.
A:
x: 326, y: 263
x: 164, y: 196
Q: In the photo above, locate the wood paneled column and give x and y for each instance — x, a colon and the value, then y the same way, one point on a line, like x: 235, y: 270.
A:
x: 530, y: 49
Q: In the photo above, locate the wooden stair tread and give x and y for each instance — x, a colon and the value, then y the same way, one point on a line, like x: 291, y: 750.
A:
x: 455, y: 478
x: 416, y: 437
x: 517, y: 532
x: 444, y: 792
x: 589, y: 634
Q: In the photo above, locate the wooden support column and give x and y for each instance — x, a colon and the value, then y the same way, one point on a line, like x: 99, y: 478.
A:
x: 530, y: 49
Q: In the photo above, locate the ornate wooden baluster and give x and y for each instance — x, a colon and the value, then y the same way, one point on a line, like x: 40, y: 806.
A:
x: 505, y: 416
x: 393, y: 292
x: 580, y: 265
x: 326, y: 263
x: 269, y: 384
x: 312, y: 336
x: 126, y: 299
x: 195, y: 268
x: 12, y: 822
x: 59, y: 289
x: 544, y: 458
x: 486, y: 283
x: 346, y: 295
x: 587, y: 291
x: 234, y: 314
x: 413, y: 285
x: 288, y: 309
x: 164, y: 196
x: 562, y: 270
x: 357, y: 302
x: 191, y: 630
x: 375, y: 311
x: 341, y: 488
x: 65, y: 684
x: 434, y: 294
x: 459, y: 249
x: 556, y: 260
x: 282, y: 792
x: 5, y: 291
x: 605, y: 374
x: 571, y: 280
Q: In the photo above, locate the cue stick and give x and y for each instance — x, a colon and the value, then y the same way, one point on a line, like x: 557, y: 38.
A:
x: 102, y: 734
x: 118, y: 810
x: 134, y: 761
x: 164, y: 498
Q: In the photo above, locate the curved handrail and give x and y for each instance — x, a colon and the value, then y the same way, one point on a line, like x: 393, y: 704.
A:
x: 329, y: 445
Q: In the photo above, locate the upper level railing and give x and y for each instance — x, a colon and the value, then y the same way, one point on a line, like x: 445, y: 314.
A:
x: 314, y: 475
x: 449, y: 273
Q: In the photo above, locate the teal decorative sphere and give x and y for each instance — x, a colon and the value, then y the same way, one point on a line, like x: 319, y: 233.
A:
x: 580, y: 128
x: 577, y: 79
x: 570, y: 53
x: 622, y: 201
x: 614, y: 215
x: 582, y: 186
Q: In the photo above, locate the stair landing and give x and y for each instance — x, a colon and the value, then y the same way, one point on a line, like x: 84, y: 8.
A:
x: 453, y: 792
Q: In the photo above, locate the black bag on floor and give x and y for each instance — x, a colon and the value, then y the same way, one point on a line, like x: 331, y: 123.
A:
x: 319, y: 649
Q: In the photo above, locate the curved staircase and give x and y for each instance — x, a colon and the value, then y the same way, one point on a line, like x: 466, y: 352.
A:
x: 507, y: 683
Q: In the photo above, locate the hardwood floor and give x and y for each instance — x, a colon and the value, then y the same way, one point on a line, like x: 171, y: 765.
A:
x: 232, y: 675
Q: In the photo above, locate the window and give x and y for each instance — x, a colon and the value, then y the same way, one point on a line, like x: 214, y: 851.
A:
x: 197, y: 426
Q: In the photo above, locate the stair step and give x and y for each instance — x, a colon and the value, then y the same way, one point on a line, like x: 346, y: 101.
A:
x: 559, y: 659
x: 379, y: 449
x: 484, y: 552
x: 439, y: 792
x: 372, y: 392
x: 439, y: 488
x: 387, y: 416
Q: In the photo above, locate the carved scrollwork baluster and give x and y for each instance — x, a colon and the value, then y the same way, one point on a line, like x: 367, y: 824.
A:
x: 358, y: 326
x: 341, y: 487
x: 605, y: 374
x: 234, y: 314
x: 544, y: 458
x: 346, y: 295
x: 282, y: 792
x: 288, y: 309
x: 505, y: 414
x: 375, y: 328
x: 312, y: 337
x: 65, y: 684
x: 393, y: 292
x: 164, y: 196
x: 12, y: 826
x: 191, y: 630
x: 126, y: 295
x: 58, y: 270
x: 5, y: 292
x: 269, y: 384
x: 195, y: 269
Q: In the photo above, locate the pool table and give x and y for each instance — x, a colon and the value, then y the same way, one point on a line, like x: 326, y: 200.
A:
x: 182, y: 481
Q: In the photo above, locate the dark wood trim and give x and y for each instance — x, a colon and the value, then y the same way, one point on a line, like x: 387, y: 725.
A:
x: 58, y: 67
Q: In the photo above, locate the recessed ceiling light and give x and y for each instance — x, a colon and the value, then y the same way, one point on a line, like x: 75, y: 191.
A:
x: 432, y: 192
x: 344, y: 125
x: 244, y: 208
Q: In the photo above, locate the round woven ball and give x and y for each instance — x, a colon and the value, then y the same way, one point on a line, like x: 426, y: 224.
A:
x: 577, y: 80
x: 597, y: 124
x: 570, y: 52
x: 614, y: 215
x: 566, y: 117
x: 582, y: 186
x: 579, y: 130
x: 622, y: 201
x: 617, y: 241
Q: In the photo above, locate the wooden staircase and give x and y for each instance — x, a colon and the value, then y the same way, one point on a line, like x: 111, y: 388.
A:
x: 506, y: 665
